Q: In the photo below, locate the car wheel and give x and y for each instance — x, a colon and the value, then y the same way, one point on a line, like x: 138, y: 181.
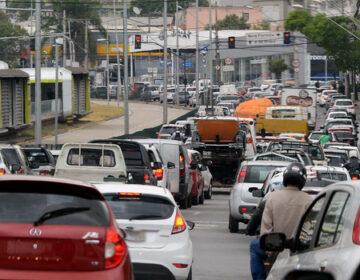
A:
x: 184, y: 203
x: 202, y: 197
x: 195, y: 200
x: 233, y: 224
x: 190, y: 274
x: 208, y: 194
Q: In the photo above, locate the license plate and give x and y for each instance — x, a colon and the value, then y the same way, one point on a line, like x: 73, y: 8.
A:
x: 135, y: 236
x: 206, y: 154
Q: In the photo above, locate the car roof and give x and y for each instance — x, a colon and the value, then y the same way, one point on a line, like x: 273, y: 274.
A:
x: 334, y: 151
x: 344, y: 99
x: 267, y: 162
x: 115, y: 187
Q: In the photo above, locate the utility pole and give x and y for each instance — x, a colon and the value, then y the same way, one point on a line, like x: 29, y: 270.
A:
x: 165, y: 119
x: 210, y: 52
x: 177, y: 53
x: 38, y: 132
x: 296, y: 57
x: 57, y: 42
x: 126, y: 70
x: 64, y: 32
x: 217, y: 43
x: 117, y: 57
x: 197, y: 54
x: 31, y: 33
x: 86, y: 45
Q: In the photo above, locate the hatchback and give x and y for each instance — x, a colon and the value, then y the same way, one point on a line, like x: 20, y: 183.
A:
x: 326, y: 239
x: 55, y: 228
x: 345, y: 104
x: 156, y: 233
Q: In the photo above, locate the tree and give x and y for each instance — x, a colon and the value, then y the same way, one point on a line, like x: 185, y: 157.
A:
x: 277, y: 66
x: 297, y: 20
x: 231, y: 22
x: 264, y: 25
x: 22, y: 15
x: 10, y: 49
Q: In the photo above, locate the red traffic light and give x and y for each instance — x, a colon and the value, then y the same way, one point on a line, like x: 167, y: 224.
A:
x: 232, y: 39
x: 287, y: 35
x: 137, y: 41
x: 231, y: 42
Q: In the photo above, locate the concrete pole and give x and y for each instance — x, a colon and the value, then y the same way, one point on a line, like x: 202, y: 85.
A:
x: 56, y: 91
x: 107, y: 68
x: 296, y: 56
x: 210, y: 56
x: 31, y: 33
x: 126, y: 71
x: 38, y: 132
x: 177, y: 53
x: 217, y: 55
x: 86, y: 46
x: 64, y: 38
x: 197, y: 54
x: 165, y: 113
x: 131, y: 69
x: 117, y: 57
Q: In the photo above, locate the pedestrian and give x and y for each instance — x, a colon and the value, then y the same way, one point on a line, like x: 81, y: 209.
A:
x: 324, y: 138
x: 317, y: 84
x: 282, y: 212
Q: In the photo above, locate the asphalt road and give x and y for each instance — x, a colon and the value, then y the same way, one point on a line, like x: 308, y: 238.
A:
x: 142, y: 116
x: 218, y: 254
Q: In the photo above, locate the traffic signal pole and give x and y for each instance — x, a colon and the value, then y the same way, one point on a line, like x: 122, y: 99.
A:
x: 38, y: 130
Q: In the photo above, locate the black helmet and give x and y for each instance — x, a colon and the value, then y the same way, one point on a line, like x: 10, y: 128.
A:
x: 295, y: 175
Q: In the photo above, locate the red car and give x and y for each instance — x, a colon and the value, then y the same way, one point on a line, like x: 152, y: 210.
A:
x: 52, y: 228
x: 197, y: 190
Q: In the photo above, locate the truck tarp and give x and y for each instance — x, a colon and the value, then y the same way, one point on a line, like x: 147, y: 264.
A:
x: 253, y: 108
x: 217, y: 131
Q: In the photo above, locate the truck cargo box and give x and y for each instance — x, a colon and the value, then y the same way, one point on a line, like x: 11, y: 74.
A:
x: 217, y: 130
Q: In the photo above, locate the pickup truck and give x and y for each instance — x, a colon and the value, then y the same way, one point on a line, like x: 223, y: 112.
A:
x: 91, y: 163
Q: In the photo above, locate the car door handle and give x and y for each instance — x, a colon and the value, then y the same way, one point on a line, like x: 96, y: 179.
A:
x: 323, y: 265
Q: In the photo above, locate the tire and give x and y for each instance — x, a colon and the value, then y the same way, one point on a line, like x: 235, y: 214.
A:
x: 233, y: 224
x: 189, y: 201
x: 195, y: 200
x: 184, y: 203
x: 202, y: 197
x: 208, y: 194
x: 190, y: 274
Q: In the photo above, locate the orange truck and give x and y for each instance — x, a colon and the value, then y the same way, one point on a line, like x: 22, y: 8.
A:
x: 221, y: 140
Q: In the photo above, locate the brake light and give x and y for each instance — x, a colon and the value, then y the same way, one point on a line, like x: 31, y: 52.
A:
x: 334, y: 106
x: 352, y: 107
x: 2, y: 171
x: 159, y: 135
x: 354, y: 178
x: 180, y: 265
x: 249, y: 140
x: 129, y: 194
x: 356, y: 229
x: 159, y: 173
x: 243, y: 209
x: 115, y: 249
x: 44, y: 172
x: 242, y: 174
x: 20, y: 171
x: 179, y: 224
x: 146, y: 177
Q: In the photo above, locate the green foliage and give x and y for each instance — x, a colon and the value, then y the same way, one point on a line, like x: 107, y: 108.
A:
x: 264, y: 25
x: 22, y: 15
x: 277, y: 66
x: 297, y: 20
x: 232, y: 22
x: 155, y: 8
x: 10, y: 49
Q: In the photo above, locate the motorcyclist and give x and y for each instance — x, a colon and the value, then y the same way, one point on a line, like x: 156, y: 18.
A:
x: 353, y: 165
x: 282, y: 212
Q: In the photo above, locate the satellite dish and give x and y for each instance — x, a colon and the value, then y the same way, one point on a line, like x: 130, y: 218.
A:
x: 137, y: 10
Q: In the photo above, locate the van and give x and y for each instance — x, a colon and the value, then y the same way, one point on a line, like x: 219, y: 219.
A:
x: 175, y: 158
x: 299, y: 113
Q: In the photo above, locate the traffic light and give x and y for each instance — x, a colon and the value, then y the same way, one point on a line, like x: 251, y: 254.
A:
x: 32, y: 44
x: 137, y: 41
x: 287, y: 38
x: 231, y: 42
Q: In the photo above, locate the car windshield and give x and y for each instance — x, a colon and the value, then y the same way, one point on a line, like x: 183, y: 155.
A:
x: 343, y: 134
x: 258, y: 173
x: 316, y: 136
x: 37, y: 156
x: 146, y: 207
x: 313, y: 151
x: 331, y: 175
x: 167, y: 130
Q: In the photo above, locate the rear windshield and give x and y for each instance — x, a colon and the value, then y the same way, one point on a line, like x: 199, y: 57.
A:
x: 91, y: 157
x: 167, y: 130
x: 313, y: 151
x: 277, y: 158
x: 344, y: 103
x: 342, y: 122
x: 140, y: 207
x: 258, y: 173
x: 343, y: 134
x: 316, y: 136
x: 20, y: 204
x: 37, y: 156
x: 336, y: 176
x: 132, y: 154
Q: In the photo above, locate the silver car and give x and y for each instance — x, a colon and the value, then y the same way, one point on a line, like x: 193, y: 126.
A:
x: 250, y: 176
x: 327, y: 238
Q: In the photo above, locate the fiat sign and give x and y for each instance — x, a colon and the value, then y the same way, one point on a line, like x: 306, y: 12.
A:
x: 296, y: 100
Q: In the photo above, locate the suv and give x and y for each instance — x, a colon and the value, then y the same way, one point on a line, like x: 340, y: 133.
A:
x: 40, y: 160
x: 58, y: 228
x: 137, y: 161
x: 249, y: 177
x: 138, y: 88
x: 15, y: 160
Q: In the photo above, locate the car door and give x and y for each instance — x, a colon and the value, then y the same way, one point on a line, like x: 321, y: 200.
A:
x: 170, y: 154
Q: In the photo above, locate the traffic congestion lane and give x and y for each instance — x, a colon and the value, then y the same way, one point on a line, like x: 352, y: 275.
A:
x: 218, y: 254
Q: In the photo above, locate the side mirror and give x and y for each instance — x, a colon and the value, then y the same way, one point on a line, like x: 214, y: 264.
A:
x: 171, y: 165
x: 274, y: 242
x: 253, y: 189
x: 257, y: 193
x: 190, y: 224
x: 14, y: 168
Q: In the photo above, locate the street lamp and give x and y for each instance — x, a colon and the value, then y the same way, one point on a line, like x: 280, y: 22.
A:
x: 58, y: 41
x: 107, y: 64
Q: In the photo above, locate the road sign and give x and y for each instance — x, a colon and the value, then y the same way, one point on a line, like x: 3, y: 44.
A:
x: 187, y: 64
x: 228, y: 68
x: 169, y: 62
x: 217, y: 67
x: 204, y: 49
x: 296, y: 70
x: 228, y: 61
x: 264, y: 38
x: 295, y: 63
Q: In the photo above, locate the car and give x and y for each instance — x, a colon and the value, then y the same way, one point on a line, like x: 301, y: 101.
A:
x: 155, y: 92
x: 137, y: 160
x: 336, y: 115
x: 293, y: 136
x: 331, y: 101
x: 138, y: 87
x: 314, y: 136
x: 345, y: 136
x: 15, y: 160
x: 336, y: 110
x: 341, y: 123
x: 326, y: 236
x: 323, y: 96
x: 345, y: 104
x: 40, y: 160
x: 250, y: 176
x: 184, y: 98
x: 197, y: 190
x: 230, y: 105
x: 157, y: 235
x: 335, y: 161
x: 207, y: 178
x: 337, y: 152
x: 167, y: 130
x: 345, y: 147
x: 297, y: 154
x: 59, y: 229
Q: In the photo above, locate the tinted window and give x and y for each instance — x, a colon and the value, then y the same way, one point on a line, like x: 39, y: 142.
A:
x: 126, y: 207
x: 132, y: 154
x: 316, y: 136
x: 37, y: 156
x: 308, y: 225
x: 44, y: 197
x: 343, y: 134
x: 258, y: 173
x: 332, y: 225
x: 91, y: 157
x: 344, y: 103
x: 167, y: 130
x: 11, y: 156
x: 313, y: 151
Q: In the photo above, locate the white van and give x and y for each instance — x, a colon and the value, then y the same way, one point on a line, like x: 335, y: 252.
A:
x: 287, y: 113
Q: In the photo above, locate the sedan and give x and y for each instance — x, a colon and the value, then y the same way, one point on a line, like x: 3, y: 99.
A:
x: 156, y: 233
x: 55, y: 228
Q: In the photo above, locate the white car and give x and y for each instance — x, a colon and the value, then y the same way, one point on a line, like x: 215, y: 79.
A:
x: 157, y: 235
x: 336, y: 115
x: 324, y: 96
x: 346, y: 104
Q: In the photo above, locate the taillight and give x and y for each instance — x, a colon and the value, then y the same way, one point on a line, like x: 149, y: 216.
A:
x: 44, y: 172
x: 147, y: 178
x: 159, y: 173
x: 20, y: 171
x: 179, y: 224
x: 242, y: 174
x: 115, y: 249
x: 352, y: 107
x: 180, y: 265
x: 2, y: 171
x: 354, y: 178
x: 159, y: 135
x: 182, y: 166
x: 356, y: 229
x: 334, y: 106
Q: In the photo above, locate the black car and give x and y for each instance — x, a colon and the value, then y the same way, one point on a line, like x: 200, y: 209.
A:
x: 137, y: 161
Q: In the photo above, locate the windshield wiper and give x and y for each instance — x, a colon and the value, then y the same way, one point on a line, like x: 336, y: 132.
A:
x: 58, y: 213
x: 144, y: 217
